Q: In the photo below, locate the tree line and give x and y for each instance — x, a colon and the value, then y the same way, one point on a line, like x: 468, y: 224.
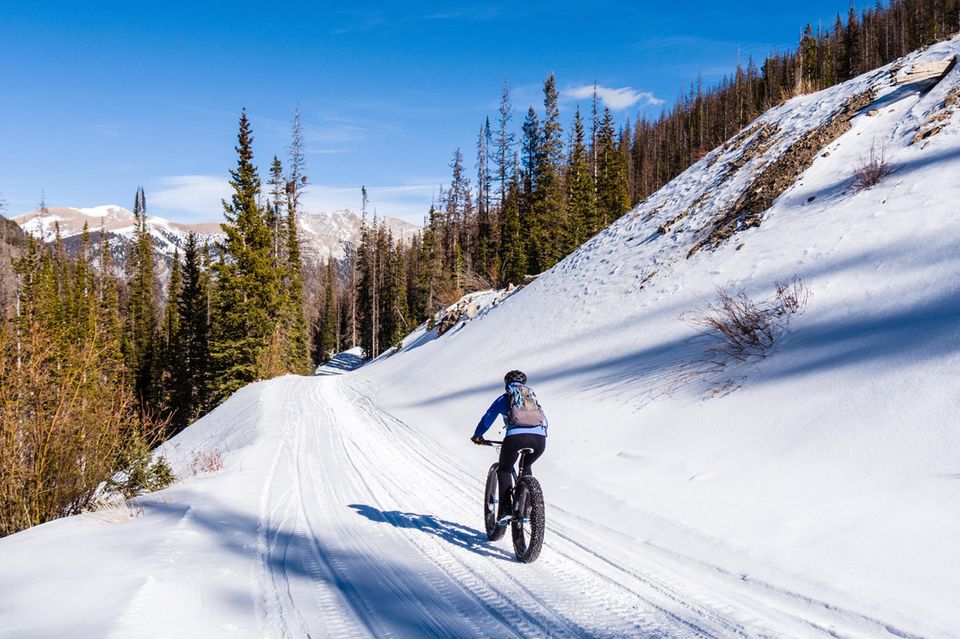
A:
x: 96, y: 366
x: 538, y: 193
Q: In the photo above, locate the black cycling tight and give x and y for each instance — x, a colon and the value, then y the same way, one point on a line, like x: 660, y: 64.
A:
x: 510, y: 452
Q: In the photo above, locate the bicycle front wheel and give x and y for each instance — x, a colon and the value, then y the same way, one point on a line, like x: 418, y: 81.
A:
x: 490, y: 501
x: 529, y: 520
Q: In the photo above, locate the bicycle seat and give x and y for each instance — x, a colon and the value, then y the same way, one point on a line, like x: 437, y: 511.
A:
x: 525, y: 450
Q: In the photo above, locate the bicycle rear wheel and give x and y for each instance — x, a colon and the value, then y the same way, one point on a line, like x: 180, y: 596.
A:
x: 490, y: 501
x: 529, y: 519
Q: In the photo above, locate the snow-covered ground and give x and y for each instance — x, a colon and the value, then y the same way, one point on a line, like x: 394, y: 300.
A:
x: 813, y: 492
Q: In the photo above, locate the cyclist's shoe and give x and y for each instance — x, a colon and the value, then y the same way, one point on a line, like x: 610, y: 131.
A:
x: 505, y: 511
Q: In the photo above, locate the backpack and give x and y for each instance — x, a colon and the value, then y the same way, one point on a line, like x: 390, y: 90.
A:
x: 524, y: 408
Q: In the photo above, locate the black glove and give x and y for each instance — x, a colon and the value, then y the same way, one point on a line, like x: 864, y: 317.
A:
x: 477, y: 439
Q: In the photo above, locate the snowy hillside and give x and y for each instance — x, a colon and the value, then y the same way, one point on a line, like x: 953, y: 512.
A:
x: 322, y: 234
x: 810, y: 492
x: 820, y: 481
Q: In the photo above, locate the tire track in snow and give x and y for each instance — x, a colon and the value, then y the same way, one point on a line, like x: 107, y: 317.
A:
x: 560, y: 590
x: 409, y: 588
x: 282, y: 526
x: 704, y: 599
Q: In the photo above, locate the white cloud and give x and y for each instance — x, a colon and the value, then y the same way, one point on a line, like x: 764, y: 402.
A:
x: 189, y: 196
x: 196, y: 198
x: 616, y: 99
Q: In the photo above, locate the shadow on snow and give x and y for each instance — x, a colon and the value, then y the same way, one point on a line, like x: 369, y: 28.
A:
x: 449, y: 531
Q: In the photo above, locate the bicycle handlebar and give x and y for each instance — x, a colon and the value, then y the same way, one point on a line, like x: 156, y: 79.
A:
x: 491, y: 442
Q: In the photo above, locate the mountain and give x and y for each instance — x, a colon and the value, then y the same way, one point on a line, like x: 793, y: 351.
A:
x: 322, y: 234
x: 794, y: 474
x: 12, y: 242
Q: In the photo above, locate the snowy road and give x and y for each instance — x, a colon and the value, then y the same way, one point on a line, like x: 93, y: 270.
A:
x: 368, y: 530
x: 331, y: 518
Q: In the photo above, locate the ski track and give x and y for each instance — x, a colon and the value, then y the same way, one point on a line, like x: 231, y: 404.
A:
x: 379, y: 536
x: 369, y: 529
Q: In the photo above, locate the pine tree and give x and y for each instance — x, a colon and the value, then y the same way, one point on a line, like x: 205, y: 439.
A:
x: 400, y: 312
x: 613, y: 198
x: 175, y: 398
x: 195, y: 332
x: 457, y: 214
x: 581, y: 190
x: 83, y: 306
x: 432, y: 282
x: 142, y: 310
x: 852, y: 47
x: 297, y: 340
x: 108, y: 308
x: 328, y: 325
x: 529, y: 174
x: 248, y: 300
x: 503, y: 151
x: 366, y: 283
x: 486, y: 240
x: 512, y: 243
x: 808, y: 60
x: 550, y: 197
x: 274, y: 210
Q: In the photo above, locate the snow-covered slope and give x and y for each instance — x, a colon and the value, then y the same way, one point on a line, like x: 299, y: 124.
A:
x: 812, y: 492
x: 823, y: 477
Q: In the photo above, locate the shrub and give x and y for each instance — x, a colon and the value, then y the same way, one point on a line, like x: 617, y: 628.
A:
x: 140, y: 473
x: 65, y: 415
x: 206, y: 462
x: 736, y: 327
x: 872, y: 170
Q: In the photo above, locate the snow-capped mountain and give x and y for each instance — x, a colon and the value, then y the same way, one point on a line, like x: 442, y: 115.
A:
x: 322, y: 234
x: 811, y: 489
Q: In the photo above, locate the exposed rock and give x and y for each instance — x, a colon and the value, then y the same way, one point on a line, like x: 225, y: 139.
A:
x: 939, y: 118
x: 931, y: 71
x: 782, y: 173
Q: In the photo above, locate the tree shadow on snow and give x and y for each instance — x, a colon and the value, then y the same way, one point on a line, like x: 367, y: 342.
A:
x: 341, y: 363
x: 385, y: 596
x: 449, y: 531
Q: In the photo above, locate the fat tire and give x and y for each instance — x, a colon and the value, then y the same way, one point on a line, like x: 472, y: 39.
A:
x: 491, y: 493
x: 528, y: 502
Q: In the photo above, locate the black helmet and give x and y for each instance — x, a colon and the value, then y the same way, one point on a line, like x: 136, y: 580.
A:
x: 515, y: 377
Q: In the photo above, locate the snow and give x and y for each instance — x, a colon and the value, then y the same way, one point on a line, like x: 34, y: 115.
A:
x: 104, y: 211
x: 812, y: 492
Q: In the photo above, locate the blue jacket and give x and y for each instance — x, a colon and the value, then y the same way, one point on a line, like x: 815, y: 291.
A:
x: 501, y: 406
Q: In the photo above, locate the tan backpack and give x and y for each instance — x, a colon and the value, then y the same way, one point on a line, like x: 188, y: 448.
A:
x: 524, y: 409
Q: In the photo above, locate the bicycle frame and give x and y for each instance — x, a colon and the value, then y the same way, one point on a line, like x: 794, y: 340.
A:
x: 521, y: 463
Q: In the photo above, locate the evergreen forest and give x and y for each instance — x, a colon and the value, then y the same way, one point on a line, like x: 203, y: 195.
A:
x: 99, y: 365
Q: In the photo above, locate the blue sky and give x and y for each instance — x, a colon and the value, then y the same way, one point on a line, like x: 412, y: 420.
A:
x: 98, y: 98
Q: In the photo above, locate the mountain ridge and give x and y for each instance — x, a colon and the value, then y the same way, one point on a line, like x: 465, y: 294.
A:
x: 322, y: 234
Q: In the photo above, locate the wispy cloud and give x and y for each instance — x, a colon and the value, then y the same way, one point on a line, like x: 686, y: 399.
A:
x: 325, y: 132
x: 190, y: 196
x: 615, y: 98
x: 197, y: 198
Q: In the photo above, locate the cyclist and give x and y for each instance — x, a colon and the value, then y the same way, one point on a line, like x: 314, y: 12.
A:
x: 526, y: 428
